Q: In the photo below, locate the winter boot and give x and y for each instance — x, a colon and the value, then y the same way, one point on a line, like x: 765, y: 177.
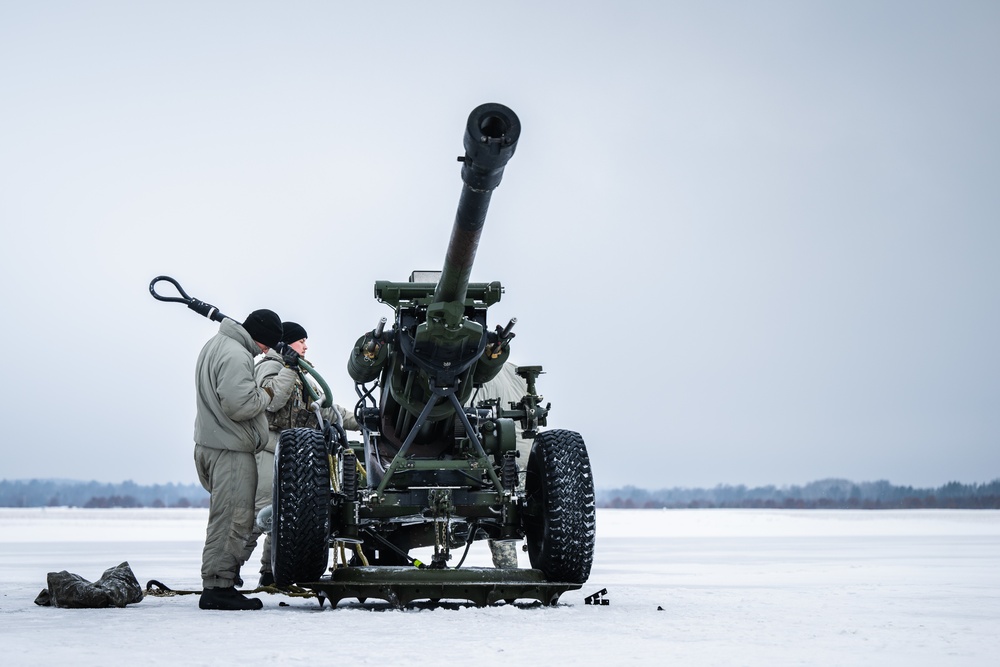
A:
x: 227, y: 598
x: 266, y: 579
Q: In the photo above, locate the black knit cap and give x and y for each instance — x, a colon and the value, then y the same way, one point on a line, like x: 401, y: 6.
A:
x: 264, y: 326
x: 292, y: 332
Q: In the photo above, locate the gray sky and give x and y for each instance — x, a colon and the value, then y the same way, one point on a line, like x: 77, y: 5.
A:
x: 751, y: 242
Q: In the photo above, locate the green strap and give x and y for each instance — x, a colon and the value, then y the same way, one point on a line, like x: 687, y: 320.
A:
x: 328, y: 398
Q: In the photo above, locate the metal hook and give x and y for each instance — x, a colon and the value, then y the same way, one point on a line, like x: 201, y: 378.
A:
x: 184, y: 298
x: 200, y: 307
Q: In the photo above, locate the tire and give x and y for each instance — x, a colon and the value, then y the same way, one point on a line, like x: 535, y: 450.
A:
x: 560, y: 519
x: 300, y: 534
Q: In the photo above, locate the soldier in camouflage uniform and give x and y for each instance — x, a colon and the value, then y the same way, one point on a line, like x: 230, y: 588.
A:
x: 509, y: 387
x: 289, y: 408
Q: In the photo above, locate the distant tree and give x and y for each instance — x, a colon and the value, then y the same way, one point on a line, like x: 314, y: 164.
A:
x: 42, y: 493
x: 112, y: 501
x: 825, y: 494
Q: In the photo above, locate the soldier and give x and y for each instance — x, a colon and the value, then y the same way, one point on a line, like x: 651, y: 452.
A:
x: 230, y: 427
x: 509, y: 387
x: 289, y: 408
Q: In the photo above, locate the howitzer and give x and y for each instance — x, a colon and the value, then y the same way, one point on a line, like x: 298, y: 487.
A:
x: 437, y: 468
x: 439, y: 347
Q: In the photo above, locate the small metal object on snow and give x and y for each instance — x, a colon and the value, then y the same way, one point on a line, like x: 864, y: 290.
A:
x: 598, y: 598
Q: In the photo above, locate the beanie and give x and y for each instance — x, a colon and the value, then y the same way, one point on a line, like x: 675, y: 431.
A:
x: 264, y: 326
x: 292, y: 332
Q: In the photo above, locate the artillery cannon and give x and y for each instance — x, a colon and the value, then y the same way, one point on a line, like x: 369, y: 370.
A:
x: 437, y: 468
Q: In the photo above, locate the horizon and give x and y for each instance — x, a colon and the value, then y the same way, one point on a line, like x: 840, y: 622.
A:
x: 597, y: 488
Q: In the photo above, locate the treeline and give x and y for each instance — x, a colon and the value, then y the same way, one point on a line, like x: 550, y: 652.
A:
x: 67, y: 493
x: 823, y: 494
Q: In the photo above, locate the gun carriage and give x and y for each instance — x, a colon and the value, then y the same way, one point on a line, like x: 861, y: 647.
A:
x: 436, y: 467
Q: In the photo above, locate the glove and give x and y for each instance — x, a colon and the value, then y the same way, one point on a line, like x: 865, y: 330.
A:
x: 288, y: 355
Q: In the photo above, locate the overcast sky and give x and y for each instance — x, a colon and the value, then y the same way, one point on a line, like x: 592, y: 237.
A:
x: 750, y: 242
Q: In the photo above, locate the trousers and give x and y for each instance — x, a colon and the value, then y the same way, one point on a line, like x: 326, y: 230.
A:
x: 230, y: 478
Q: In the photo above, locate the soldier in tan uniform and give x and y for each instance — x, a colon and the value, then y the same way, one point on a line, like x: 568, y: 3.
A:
x: 230, y: 428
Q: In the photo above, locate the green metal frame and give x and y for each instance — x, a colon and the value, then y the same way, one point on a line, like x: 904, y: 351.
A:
x: 400, y: 586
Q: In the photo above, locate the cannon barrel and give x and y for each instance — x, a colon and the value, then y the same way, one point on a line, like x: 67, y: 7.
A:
x: 491, y: 136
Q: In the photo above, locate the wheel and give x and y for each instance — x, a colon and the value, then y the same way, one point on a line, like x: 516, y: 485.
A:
x: 560, y: 518
x: 300, y: 534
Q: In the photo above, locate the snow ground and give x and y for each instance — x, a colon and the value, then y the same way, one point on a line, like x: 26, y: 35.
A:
x: 736, y: 587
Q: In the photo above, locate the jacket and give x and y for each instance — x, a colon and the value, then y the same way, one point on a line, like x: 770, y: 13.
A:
x: 230, y: 403
x: 289, y: 407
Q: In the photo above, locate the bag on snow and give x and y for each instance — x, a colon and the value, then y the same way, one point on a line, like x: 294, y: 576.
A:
x: 117, y: 587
